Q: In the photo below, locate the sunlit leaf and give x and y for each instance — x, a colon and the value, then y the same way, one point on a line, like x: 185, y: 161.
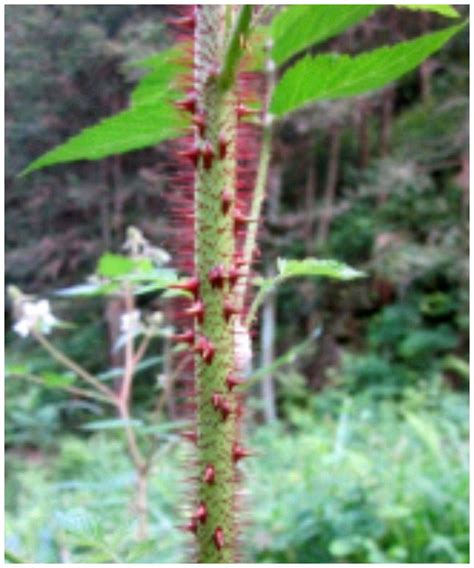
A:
x: 298, y: 27
x: 333, y: 76
x: 151, y: 119
x: 442, y: 9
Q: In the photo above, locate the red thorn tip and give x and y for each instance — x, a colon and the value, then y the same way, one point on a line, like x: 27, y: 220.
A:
x: 218, y: 538
x: 190, y: 436
x: 200, y: 122
x: 186, y: 337
x: 187, y: 22
x: 234, y: 274
x: 191, y: 526
x: 226, y: 200
x: 243, y: 111
x: 188, y: 104
x: 238, y: 453
x: 201, y: 514
x: 233, y: 382
x: 191, y: 154
x: 216, y: 277
x: 190, y: 285
x: 223, y: 143
x: 221, y: 404
x: 196, y: 310
x: 207, y: 156
x: 230, y: 310
x: 206, y: 349
x: 209, y: 474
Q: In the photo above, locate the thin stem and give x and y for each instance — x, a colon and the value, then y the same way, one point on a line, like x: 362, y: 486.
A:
x: 71, y: 389
x: 126, y: 386
x: 259, y: 298
x: 235, y: 47
x: 72, y: 365
x: 262, y: 175
x: 134, y: 451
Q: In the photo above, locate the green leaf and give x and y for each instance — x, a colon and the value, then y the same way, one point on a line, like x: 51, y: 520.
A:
x: 57, y: 379
x: 298, y: 27
x: 113, y: 265
x: 118, y: 266
x: 316, y: 267
x: 151, y: 118
x: 333, y: 76
x: 442, y: 9
x: 133, y: 129
x: 112, y: 424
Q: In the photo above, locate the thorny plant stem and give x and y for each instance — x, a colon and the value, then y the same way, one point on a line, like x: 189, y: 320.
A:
x: 72, y: 365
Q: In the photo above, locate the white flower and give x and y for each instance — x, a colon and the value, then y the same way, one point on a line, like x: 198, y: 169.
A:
x: 130, y: 323
x: 34, y: 315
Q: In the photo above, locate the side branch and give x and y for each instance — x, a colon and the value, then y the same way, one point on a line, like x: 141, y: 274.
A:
x: 235, y: 48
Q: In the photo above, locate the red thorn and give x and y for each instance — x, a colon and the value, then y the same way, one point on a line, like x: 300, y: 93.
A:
x: 226, y: 201
x: 230, y: 310
x: 233, y: 382
x: 191, y: 154
x: 188, y: 104
x: 206, y: 349
x: 196, y: 310
x: 218, y: 538
x: 200, y: 122
x: 190, y: 436
x: 223, y: 143
x: 201, y: 514
x: 239, y: 260
x: 238, y: 453
x: 221, y: 404
x: 186, y: 23
x: 209, y: 474
x: 192, y: 526
x: 216, y: 276
x: 186, y: 337
x: 207, y: 156
x: 191, y: 285
x: 234, y: 274
x: 243, y: 111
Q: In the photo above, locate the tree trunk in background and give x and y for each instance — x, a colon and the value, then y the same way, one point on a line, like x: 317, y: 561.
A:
x: 387, y: 120
x: 363, y: 134
x: 330, y: 185
x: 268, y: 322
x: 105, y: 221
x: 309, y: 203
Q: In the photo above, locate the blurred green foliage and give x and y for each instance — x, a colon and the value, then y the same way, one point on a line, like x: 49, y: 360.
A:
x: 345, y: 479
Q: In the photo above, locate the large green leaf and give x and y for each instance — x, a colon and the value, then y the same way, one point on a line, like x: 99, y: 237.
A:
x: 151, y: 119
x: 298, y: 27
x: 332, y: 76
x: 442, y: 9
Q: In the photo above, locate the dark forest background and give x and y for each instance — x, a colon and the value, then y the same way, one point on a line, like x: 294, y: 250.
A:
x: 364, y: 431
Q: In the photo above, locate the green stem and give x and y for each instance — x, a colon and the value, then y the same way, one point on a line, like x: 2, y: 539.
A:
x: 235, y: 48
x: 215, y: 246
x: 72, y: 365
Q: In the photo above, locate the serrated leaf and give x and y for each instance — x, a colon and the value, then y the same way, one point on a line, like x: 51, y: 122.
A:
x: 135, y: 128
x: 112, y: 424
x: 151, y: 118
x: 332, y: 76
x: 316, y: 267
x: 298, y: 27
x: 442, y: 9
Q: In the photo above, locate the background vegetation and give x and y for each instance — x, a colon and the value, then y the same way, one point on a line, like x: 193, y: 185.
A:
x: 367, y: 460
